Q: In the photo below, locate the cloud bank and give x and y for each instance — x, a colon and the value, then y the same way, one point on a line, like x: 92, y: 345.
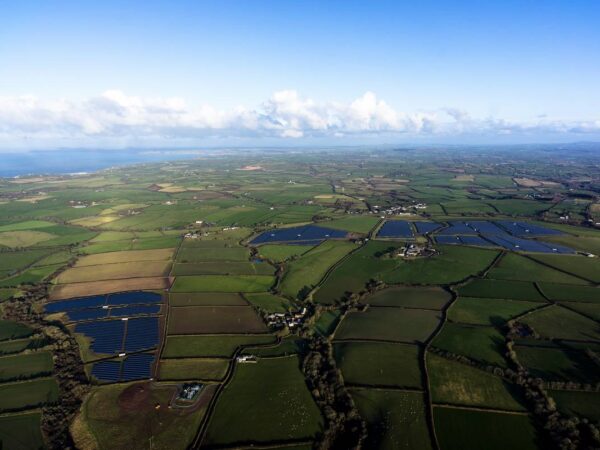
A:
x: 285, y: 115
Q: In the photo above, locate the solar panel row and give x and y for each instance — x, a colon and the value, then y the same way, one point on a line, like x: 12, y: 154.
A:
x: 142, y: 334
x: 133, y: 367
x: 97, y: 301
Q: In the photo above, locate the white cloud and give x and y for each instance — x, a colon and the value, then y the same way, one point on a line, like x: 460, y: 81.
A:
x: 286, y: 115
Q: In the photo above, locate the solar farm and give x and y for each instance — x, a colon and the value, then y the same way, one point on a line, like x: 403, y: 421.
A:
x: 380, y: 299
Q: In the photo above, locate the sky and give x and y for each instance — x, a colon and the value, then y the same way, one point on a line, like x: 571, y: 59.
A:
x: 117, y: 74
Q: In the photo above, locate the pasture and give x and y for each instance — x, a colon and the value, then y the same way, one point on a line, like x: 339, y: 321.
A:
x: 268, y: 302
x: 19, y: 367
x: 395, y: 419
x: 462, y: 429
x: 410, y: 297
x: 487, y: 311
x: 223, y: 283
x: 517, y: 267
x: 573, y: 403
x: 28, y: 394
x: 280, y: 410
x: 566, y: 292
x: 558, y: 364
x: 204, y: 369
x: 223, y: 346
x: 556, y: 322
x: 13, y: 330
x: 126, y: 257
x: 484, y: 344
x: 453, y: 383
x: 206, y: 299
x: 282, y: 252
x: 509, y: 289
x: 64, y: 291
x: 379, y: 364
x: 21, y: 431
x: 215, y: 320
x: 588, y: 268
x: 389, y: 324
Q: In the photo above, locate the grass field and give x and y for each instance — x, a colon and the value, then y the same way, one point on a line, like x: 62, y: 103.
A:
x: 198, y: 254
x: 279, y: 410
x: 487, y: 311
x: 327, y: 322
x: 514, y: 290
x: 566, y: 292
x: 29, y: 393
x: 204, y: 369
x: 312, y: 266
x: 206, y: 299
x: 454, y: 383
x: 393, y: 324
x: 25, y: 366
x: 453, y: 264
x: 560, y: 323
x: 14, y: 239
x: 210, y: 346
x: 13, y: 330
x: 356, y: 224
x: 395, y: 419
x: 588, y: 268
x: 21, y: 431
x: 115, y: 271
x: 223, y: 283
x: 410, y: 297
x: 269, y: 302
x: 461, y: 429
x: 125, y: 416
x: 558, y: 364
x: 215, y: 319
x: 583, y: 404
x: 379, y: 364
x: 516, y: 267
x: 591, y: 310
x: 485, y: 344
x: 13, y: 346
x: 281, y: 252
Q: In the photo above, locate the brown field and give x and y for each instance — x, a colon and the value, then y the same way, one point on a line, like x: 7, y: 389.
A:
x: 464, y: 178
x: 215, y: 320
x: 251, y: 168
x: 117, y: 271
x: 163, y: 254
x: 106, y: 287
x: 528, y: 182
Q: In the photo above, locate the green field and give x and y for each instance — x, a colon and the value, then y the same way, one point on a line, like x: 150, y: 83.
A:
x: 487, y: 311
x: 566, y: 292
x: 485, y: 344
x: 454, y: 383
x: 410, y: 297
x: 279, y: 410
x: 308, y: 270
x: 394, y: 419
x: 327, y: 322
x: 514, y: 290
x: 561, y: 323
x: 205, y: 369
x: 223, y: 268
x: 21, y: 431
x: 461, y: 429
x: 357, y: 224
x: 389, y: 324
x: 192, y: 254
x: 281, y: 252
x: 588, y: 268
x: 210, y: 346
x: 379, y: 364
x: 516, y: 267
x: 268, y: 302
x: 13, y: 346
x: 223, y: 283
x: 560, y: 364
x: 25, y: 366
x: 573, y: 403
x: 206, y: 299
x: 31, y: 393
x: 13, y: 330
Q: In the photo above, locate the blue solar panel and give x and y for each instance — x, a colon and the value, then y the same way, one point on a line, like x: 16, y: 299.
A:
x: 396, y: 228
x: 303, y: 233
x: 76, y: 303
x: 475, y: 240
x: 137, y: 366
x: 135, y: 297
x: 485, y: 227
x: 129, y: 311
x: 141, y: 334
x: 457, y: 228
x: 526, y: 229
x: 426, y: 227
x: 88, y: 314
x: 107, y: 335
x: 447, y: 240
x: 107, y: 370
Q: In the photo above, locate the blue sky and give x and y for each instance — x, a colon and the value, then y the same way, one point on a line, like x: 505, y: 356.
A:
x: 199, y: 73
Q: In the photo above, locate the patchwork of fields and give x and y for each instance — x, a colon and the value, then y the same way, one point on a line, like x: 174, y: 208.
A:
x: 300, y: 304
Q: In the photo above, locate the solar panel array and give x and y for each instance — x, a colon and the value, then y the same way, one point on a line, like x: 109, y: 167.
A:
x: 502, y: 233
x: 396, y: 228
x: 133, y: 367
x: 142, y: 334
x: 102, y: 306
x: 107, y: 335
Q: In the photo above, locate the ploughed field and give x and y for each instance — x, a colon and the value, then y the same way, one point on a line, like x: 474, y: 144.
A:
x: 312, y: 302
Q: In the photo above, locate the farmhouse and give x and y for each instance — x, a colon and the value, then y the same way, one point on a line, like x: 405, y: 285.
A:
x: 243, y: 359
